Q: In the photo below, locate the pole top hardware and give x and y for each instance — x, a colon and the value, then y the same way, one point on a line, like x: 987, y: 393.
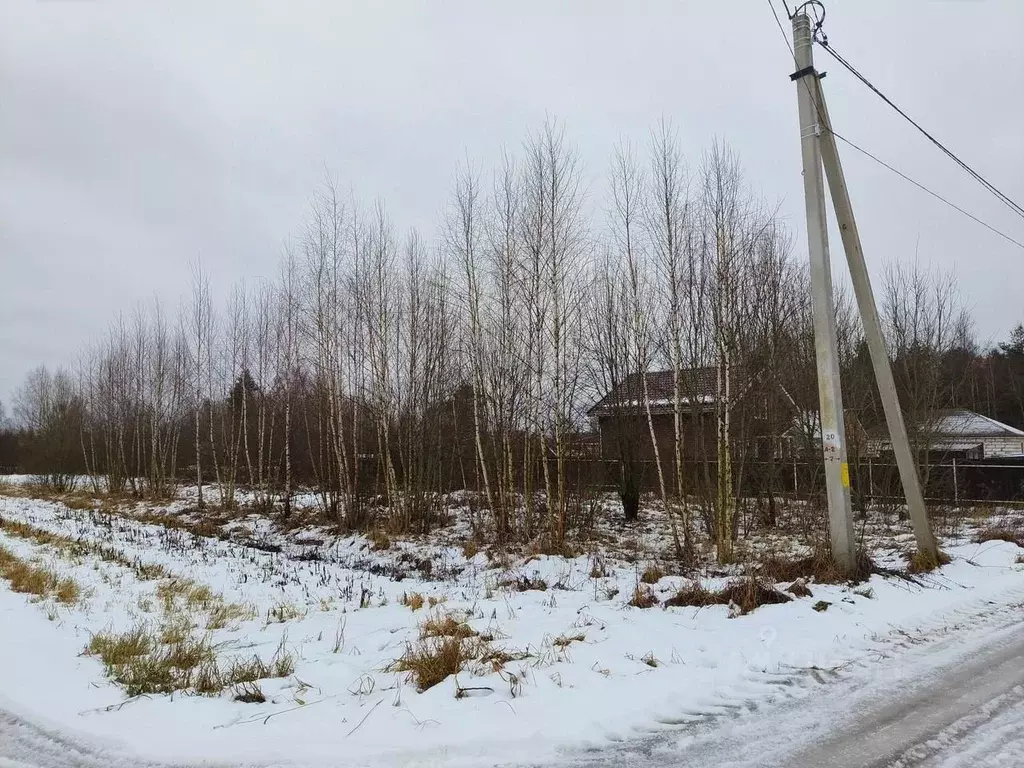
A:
x: 800, y: 73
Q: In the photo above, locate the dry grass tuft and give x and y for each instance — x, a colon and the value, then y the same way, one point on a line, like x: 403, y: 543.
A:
x: 746, y: 594
x: 643, y: 597
x: 283, y: 612
x: 79, y: 502
x: 172, y: 590
x: 563, y: 641
x: 79, y: 548
x: 281, y: 664
x: 652, y: 574
x: 414, y: 600
x: 223, y: 614
x: 524, y: 584
x: 379, y: 540
x: 919, y: 562
x: 28, y: 578
x: 499, y: 657
x: 147, y: 660
x: 446, y: 626
x: 819, y: 567
x: 249, y: 693
x: 433, y: 660
x: 799, y: 589
x: 1003, y: 532
x: 115, y: 650
x: 177, y: 630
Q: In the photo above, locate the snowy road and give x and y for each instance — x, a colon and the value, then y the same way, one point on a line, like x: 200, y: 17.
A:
x: 955, y: 705
x: 971, y: 716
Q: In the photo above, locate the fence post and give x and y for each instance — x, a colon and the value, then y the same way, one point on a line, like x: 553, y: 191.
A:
x: 796, y: 485
x: 956, y: 485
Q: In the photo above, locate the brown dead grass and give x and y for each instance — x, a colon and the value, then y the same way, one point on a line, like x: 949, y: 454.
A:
x: 80, y: 548
x: 564, y: 641
x: 497, y: 658
x: 29, y: 578
x: 652, y: 574
x: 820, y: 568
x: 191, y: 594
x: 222, y: 614
x: 161, y: 660
x: 284, y: 612
x: 524, y: 584
x: 643, y: 597
x: 799, y: 589
x: 433, y: 660
x: 919, y: 562
x: 379, y: 540
x: 1013, y: 534
x: 446, y: 626
x: 413, y: 600
x: 747, y: 594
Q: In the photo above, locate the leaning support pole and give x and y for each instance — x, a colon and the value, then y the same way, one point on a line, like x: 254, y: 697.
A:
x: 926, y: 546
x: 830, y: 397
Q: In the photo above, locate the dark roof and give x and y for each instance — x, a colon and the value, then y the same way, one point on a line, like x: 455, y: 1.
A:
x: 697, y: 384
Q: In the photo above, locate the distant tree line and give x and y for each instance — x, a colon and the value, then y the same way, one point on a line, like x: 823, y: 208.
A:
x: 380, y: 368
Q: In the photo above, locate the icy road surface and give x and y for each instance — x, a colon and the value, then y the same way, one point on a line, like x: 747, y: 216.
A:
x: 959, y: 703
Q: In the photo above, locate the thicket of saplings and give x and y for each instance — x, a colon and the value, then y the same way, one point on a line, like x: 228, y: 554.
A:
x: 380, y: 368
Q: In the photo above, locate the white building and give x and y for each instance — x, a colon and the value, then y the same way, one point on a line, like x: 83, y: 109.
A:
x: 962, y: 433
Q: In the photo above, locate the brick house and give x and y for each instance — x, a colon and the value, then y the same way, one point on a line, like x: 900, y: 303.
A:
x: 622, y: 414
x: 958, y: 433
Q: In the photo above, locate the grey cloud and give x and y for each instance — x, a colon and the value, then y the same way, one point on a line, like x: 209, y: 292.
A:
x: 136, y: 137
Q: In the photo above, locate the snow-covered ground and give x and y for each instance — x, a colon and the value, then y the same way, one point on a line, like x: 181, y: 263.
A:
x: 572, y: 665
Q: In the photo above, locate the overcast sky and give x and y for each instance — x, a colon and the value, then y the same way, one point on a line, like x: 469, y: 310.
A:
x: 137, y: 137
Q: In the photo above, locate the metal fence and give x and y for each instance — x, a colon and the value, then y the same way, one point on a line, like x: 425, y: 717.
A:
x: 951, y: 481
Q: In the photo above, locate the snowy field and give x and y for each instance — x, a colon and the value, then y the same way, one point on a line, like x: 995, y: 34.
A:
x: 553, y: 656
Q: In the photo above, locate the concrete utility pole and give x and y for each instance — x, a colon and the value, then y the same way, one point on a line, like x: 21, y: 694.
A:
x: 926, y: 546
x: 830, y: 397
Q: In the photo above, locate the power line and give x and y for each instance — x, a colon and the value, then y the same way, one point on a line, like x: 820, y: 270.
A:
x: 921, y: 186
x: 1001, y: 196
x: 878, y: 160
x: 782, y: 29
